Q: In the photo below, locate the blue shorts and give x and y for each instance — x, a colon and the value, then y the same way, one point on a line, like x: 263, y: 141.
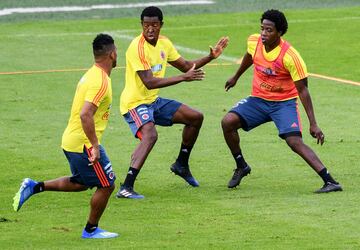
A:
x: 160, y: 112
x: 99, y: 175
x: 254, y: 111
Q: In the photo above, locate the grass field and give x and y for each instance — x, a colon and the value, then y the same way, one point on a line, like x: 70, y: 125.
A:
x: 273, y: 209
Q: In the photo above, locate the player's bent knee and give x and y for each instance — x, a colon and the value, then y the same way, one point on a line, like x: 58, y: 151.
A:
x: 295, y: 143
x: 151, y: 138
x: 228, y: 123
x: 108, y: 189
x: 198, y: 118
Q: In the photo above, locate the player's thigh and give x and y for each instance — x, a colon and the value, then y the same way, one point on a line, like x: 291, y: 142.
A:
x: 187, y: 115
x: 252, y: 112
x: 287, y: 118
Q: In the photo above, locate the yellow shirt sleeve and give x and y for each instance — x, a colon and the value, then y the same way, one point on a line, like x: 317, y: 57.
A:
x: 137, y: 54
x: 97, y: 88
x: 294, y: 63
x: 251, y: 43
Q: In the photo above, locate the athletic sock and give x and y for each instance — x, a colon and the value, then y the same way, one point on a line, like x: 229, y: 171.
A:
x: 90, y: 227
x: 325, y: 175
x: 184, y: 155
x: 240, y: 161
x: 130, y: 177
x: 39, y: 187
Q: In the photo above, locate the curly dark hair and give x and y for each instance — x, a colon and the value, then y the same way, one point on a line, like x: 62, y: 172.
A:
x: 152, y: 11
x: 102, y: 44
x: 278, y: 18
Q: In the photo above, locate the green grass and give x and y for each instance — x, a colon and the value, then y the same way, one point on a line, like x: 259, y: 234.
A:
x: 273, y: 209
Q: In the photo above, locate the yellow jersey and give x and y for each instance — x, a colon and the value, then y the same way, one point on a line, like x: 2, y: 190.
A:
x: 94, y: 87
x: 141, y: 55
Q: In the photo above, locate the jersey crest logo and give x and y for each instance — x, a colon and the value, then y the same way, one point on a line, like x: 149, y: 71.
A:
x: 162, y: 54
x: 145, y: 116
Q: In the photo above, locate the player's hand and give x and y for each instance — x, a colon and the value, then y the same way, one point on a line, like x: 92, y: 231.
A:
x: 230, y: 83
x: 194, y: 74
x: 95, y: 155
x: 219, y: 47
x: 316, y: 132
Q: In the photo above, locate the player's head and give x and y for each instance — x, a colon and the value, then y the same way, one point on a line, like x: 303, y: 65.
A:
x: 278, y: 18
x: 104, y: 47
x: 151, y: 21
x: 152, y: 11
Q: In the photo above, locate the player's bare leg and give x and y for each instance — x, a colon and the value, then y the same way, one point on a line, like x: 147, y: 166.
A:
x: 63, y: 184
x: 230, y: 125
x: 192, y: 119
x: 148, y: 137
x: 298, y: 146
x: 98, y: 203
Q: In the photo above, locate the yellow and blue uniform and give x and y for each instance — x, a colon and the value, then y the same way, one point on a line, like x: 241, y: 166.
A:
x: 94, y: 87
x: 141, y: 55
x: 138, y: 104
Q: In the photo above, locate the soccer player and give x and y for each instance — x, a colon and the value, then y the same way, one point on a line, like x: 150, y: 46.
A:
x: 280, y: 78
x: 142, y: 108
x: 89, y: 164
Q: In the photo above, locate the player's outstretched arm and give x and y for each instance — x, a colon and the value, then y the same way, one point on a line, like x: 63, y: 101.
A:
x: 219, y: 47
x: 184, y: 65
x: 315, y: 131
x: 152, y: 82
x: 246, y: 62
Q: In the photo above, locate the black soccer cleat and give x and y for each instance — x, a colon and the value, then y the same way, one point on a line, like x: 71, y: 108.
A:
x: 329, y: 187
x: 239, y: 173
x: 184, y: 172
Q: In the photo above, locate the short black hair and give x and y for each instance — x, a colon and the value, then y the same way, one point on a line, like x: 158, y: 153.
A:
x: 276, y: 17
x: 102, y: 44
x: 152, y: 11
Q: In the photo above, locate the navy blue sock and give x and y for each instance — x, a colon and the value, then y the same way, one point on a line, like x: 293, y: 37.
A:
x: 90, y: 227
x: 239, y: 159
x: 39, y: 187
x: 130, y: 177
x: 184, y: 155
x: 325, y: 175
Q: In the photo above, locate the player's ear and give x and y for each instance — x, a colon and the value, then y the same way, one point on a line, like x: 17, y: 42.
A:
x: 161, y: 24
x: 112, y: 55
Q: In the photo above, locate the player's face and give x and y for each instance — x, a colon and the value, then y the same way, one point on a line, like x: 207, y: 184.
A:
x: 151, y: 29
x: 270, y: 37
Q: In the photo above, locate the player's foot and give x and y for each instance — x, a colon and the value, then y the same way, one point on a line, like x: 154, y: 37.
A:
x: 239, y: 173
x: 25, y: 192
x: 128, y: 192
x: 98, y: 234
x: 184, y: 172
x: 329, y: 187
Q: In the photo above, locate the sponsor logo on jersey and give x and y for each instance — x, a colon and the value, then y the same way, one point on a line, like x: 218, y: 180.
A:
x: 156, y: 68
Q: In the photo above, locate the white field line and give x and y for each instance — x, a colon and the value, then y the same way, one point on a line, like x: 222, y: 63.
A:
x: 117, y: 34
x: 10, y: 11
